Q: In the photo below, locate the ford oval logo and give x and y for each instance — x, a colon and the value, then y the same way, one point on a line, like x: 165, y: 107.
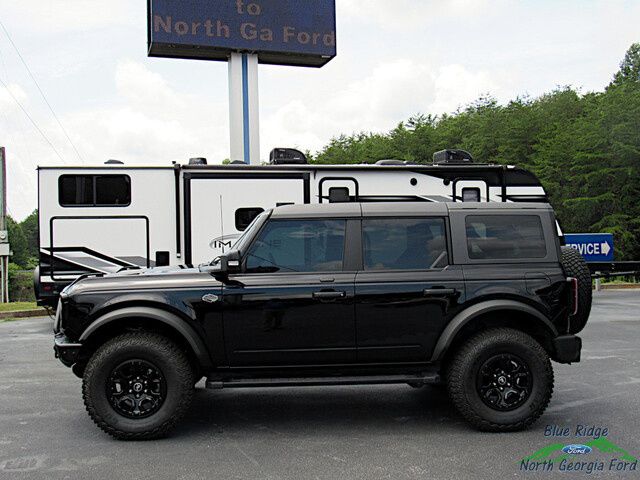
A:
x: 576, y: 449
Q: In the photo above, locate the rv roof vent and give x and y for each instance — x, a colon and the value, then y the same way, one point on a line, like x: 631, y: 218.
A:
x: 390, y: 162
x: 237, y: 162
x: 452, y: 156
x: 113, y: 162
x: 287, y: 156
x: 198, y: 161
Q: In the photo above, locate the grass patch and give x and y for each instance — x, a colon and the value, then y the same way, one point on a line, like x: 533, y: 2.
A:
x: 18, y: 306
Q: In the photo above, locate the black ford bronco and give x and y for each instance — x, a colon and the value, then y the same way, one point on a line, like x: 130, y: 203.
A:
x: 478, y: 297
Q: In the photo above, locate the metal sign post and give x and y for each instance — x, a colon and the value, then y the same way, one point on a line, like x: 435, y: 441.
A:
x: 278, y: 32
x: 5, y: 251
x: 244, y: 108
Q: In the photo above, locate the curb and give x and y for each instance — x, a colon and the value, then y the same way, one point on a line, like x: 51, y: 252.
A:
x: 40, y: 312
x: 630, y: 286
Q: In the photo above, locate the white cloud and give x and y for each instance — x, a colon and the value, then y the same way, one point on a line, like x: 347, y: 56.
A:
x: 455, y: 86
x: 409, y: 13
x: 391, y: 93
x: 66, y: 16
x: 8, y: 98
x: 150, y: 122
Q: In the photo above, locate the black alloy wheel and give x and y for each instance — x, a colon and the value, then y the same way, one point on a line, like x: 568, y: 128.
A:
x: 504, y: 382
x: 136, y: 389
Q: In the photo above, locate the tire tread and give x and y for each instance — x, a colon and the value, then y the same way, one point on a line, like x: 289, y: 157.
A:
x: 176, y: 356
x: 458, y: 370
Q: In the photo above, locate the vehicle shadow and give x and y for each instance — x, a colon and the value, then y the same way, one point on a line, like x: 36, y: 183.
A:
x: 312, y: 409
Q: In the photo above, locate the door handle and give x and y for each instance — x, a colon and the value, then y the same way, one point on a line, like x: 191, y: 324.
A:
x: 440, y: 292
x: 329, y: 295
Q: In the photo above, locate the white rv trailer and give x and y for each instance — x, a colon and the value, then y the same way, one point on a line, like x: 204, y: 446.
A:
x: 101, y: 219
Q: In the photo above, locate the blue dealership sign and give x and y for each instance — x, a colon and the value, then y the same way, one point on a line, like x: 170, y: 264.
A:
x: 594, y: 247
x: 282, y: 32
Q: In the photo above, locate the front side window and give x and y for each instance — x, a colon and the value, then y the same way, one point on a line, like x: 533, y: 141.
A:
x: 404, y: 244
x: 298, y: 246
x: 94, y: 190
x: 496, y: 237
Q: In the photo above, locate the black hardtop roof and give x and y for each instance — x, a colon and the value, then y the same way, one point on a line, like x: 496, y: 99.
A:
x: 377, y: 209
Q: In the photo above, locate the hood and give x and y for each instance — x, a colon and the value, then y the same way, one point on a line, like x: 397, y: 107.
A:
x: 147, y: 278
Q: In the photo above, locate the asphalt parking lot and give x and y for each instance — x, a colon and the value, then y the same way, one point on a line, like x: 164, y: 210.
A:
x: 315, y: 432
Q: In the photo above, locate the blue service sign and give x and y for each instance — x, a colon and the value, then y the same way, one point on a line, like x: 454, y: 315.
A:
x: 594, y: 247
x: 282, y: 32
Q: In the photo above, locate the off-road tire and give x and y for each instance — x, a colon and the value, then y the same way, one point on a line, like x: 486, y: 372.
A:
x: 575, y: 266
x: 167, y: 357
x: 464, y: 367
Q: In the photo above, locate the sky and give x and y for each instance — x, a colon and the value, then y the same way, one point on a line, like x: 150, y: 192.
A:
x: 395, y: 59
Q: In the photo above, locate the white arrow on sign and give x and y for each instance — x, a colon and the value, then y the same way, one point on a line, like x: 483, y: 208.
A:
x: 605, y: 248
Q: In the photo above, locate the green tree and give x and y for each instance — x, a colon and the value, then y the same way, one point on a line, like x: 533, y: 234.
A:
x: 30, y: 229
x: 629, y: 68
x: 18, y: 243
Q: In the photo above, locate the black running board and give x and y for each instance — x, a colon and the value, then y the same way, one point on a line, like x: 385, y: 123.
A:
x: 218, y: 383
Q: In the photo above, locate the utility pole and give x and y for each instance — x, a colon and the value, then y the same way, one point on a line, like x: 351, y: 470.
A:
x: 5, y: 251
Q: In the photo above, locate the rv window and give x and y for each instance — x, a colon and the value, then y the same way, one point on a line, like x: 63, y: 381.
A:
x: 94, y: 190
x: 113, y: 190
x: 244, y: 217
x: 471, y: 194
x: 75, y: 190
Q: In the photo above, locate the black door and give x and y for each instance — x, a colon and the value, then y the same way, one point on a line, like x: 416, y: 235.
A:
x: 293, y: 304
x: 406, y: 291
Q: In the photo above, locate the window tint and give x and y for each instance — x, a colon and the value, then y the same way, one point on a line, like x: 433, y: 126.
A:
x: 244, y: 217
x: 75, y: 190
x: 505, y: 237
x: 404, y: 244
x: 471, y: 194
x: 94, y: 190
x: 113, y: 190
x: 298, y: 246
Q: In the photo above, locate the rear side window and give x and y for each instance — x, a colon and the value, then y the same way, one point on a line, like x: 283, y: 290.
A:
x: 298, y: 246
x: 496, y: 237
x: 94, y: 190
x: 404, y: 243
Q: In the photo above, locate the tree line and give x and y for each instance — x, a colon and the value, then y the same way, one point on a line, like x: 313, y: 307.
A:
x: 584, y: 148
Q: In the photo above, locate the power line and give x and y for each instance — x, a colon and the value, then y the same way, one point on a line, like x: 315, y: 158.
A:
x: 41, y: 92
x: 31, y: 120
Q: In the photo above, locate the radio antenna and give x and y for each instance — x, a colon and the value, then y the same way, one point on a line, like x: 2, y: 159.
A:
x: 222, y: 225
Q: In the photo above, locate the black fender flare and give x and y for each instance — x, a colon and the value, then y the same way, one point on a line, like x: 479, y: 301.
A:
x: 159, y: 315
x: 474, y: 311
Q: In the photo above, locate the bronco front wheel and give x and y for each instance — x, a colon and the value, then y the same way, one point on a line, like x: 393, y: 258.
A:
x: 138, y: 386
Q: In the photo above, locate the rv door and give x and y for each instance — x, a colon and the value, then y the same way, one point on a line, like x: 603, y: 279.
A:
x: 221, y: 206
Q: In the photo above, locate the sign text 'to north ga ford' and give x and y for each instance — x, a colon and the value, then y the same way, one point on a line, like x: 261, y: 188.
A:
x: 282, y: 32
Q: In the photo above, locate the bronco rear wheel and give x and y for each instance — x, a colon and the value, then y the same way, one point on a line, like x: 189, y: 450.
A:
x: 138, y: 386
x: 500, y: 380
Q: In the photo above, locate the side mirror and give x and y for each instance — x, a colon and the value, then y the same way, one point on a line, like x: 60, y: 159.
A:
x: 227, y: 263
